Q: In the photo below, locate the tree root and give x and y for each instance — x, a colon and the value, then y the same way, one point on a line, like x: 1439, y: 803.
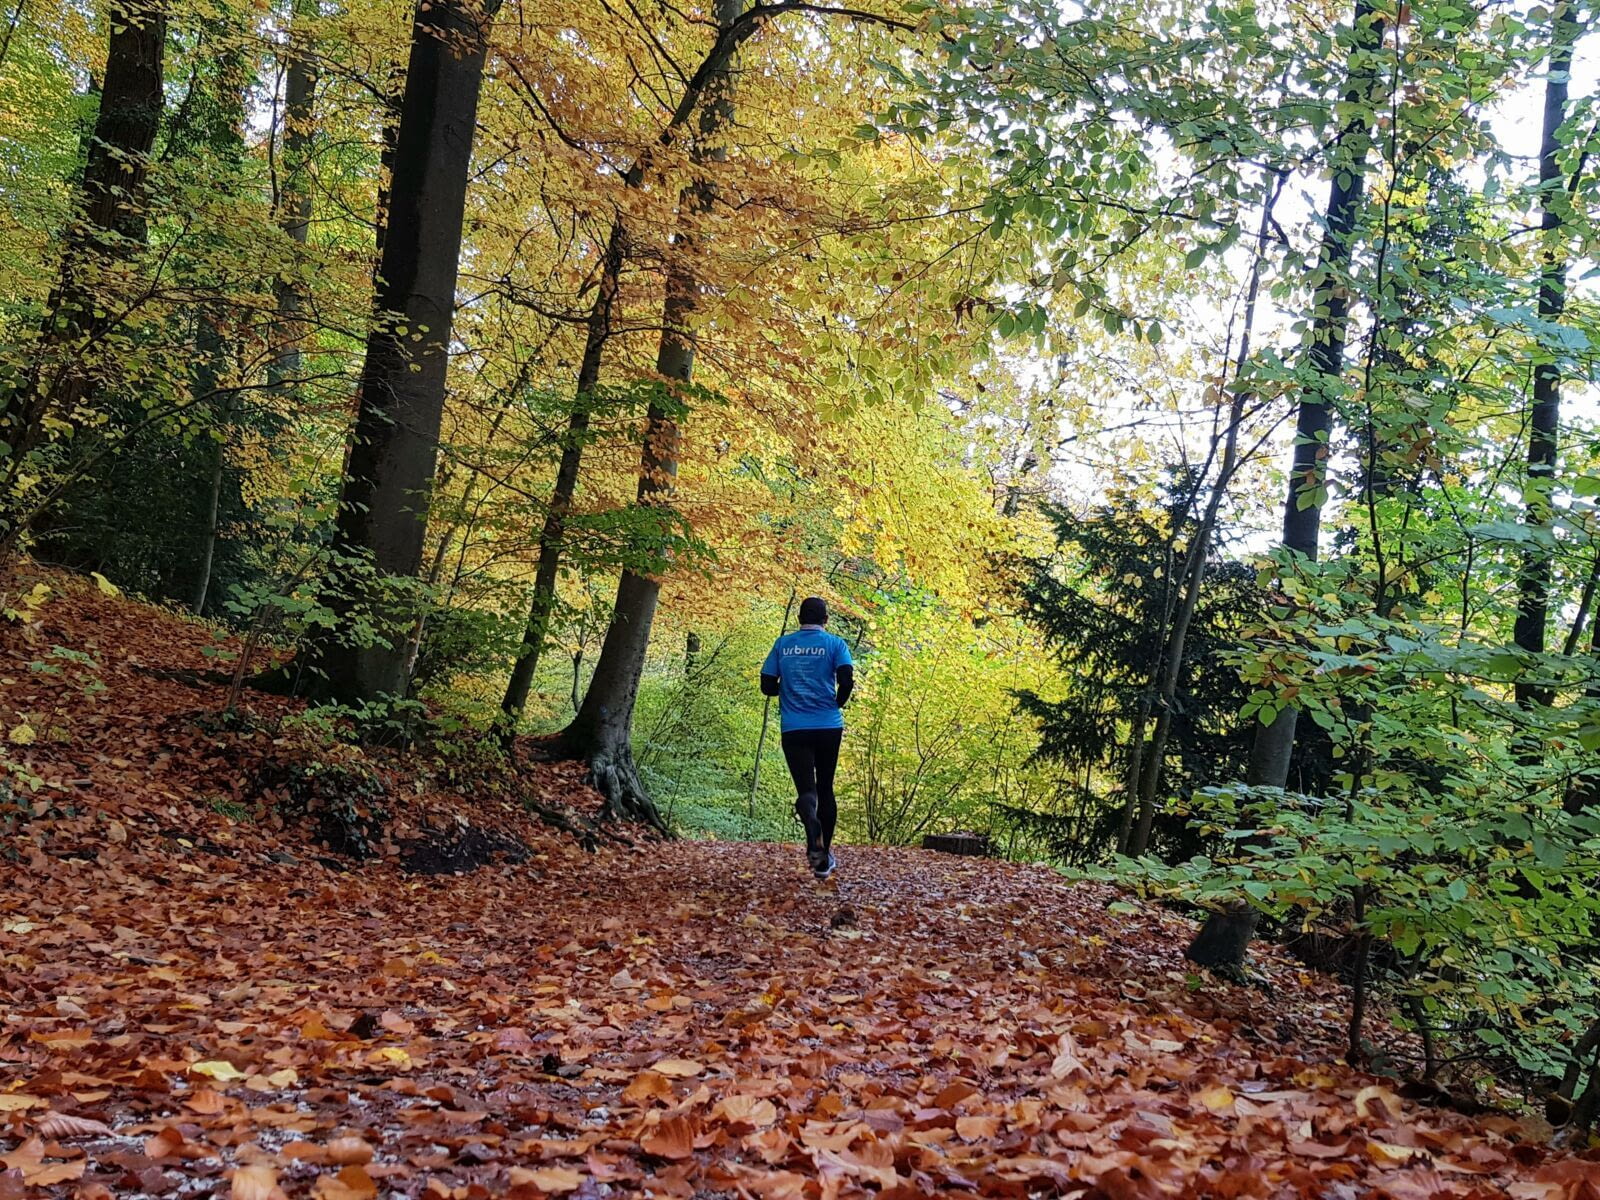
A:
x: 613, y: 774
x: 589, y: 834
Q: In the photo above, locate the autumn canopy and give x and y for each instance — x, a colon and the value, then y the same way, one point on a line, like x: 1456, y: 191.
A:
x: 419, y: 420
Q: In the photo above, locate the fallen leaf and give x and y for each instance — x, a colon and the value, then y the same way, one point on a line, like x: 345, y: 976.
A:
x: 258, y: 1181
x: 1382, y: 1097
x: 62, y: 1125
x: 647, y: 1086
x: 219, y: 1069
x: 678, y: 1068
x: 549, y: 1179
x: 671, y: 1138
x: 53, y: 1173
x: 1390, y: 1155
x: 342, y: 1151
x: 351, y: 1183
x: 26, y: 1156
x: 977, y: 1128
x: 749, y: 1111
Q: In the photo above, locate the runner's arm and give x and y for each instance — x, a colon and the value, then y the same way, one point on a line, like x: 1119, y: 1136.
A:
x: 769, y: 673
x: 845, y: 678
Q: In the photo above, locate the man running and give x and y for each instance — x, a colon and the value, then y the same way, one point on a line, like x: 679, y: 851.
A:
x: 810, y: 672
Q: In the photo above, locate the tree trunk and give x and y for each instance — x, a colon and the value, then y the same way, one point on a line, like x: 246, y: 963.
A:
x: 295, y: 199
x: 1193, y: 574
x: 208, y: 543
x: 1223, y: 941
x: 709, y: 79
x: 1533, y: 580
x: 111, y: 227
x: 384, y: 501
x: 213, y: 122
x: 212, y: 353
x: 601, y: 730
x: 389, y: 140
x: 542, y: 607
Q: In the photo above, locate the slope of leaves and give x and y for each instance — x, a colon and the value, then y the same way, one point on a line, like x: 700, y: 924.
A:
x: 199, y: 1004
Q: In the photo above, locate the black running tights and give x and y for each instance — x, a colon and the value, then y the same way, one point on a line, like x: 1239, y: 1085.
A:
x: 813, y: 758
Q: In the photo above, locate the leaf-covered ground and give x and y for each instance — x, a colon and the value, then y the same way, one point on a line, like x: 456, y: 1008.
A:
x: 198, y: 1001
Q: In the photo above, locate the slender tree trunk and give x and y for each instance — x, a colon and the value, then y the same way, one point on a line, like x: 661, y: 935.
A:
x: 601, y: 729
x: 708, y: 81
x: 1225, y: 938
x: 208, y: 544
x: 112, y: 226
x: 766, y: 719
x: 542, y: 607
x: 295, y: 199
x: 212, y: 118
x: 212, y: 348
x: 1133, y: 782
x: 1196, y: 560
x: 1533, y: 580
x: 384, y: 501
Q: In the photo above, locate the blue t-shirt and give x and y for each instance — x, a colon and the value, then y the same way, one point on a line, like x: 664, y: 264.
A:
x: 807, y: 663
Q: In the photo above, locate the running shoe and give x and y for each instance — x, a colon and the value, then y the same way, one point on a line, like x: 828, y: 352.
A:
x: 827, y: 868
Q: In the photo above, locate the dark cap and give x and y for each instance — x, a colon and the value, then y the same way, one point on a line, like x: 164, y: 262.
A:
x: 813, y: 611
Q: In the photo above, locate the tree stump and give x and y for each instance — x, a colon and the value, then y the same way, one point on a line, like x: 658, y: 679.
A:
x: 962, y: 841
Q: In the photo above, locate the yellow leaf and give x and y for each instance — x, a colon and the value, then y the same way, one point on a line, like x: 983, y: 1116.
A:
x: 23, y: 735
x: 1217, y: 1099
x: 391, y: 1055
x: 105, y: 585
x: 1390, y: 1155
x: 219, y: 1069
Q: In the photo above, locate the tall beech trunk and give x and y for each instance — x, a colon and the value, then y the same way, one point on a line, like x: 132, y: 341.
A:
x: 1224, y: 939
x: 707, y: 78
x: 600, y: 732
x: 384, y: 501
x: 295, y: 199
x: 1533, y: 579
x: 112, y: 226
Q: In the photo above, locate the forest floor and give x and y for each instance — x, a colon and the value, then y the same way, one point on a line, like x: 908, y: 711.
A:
x: 199, y: 1000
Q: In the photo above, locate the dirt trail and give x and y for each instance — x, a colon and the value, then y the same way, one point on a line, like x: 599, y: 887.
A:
x: 195, y: 1005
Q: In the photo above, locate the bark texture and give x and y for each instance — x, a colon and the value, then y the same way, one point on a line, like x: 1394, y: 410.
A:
x: 111, y: 226
x: 384, y: 502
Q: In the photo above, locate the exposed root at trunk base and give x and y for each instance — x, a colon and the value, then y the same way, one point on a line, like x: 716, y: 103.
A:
x: 586, y: 831
x: 612, y: 773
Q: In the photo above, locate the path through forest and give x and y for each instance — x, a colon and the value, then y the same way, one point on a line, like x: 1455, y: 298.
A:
x: 199, y: 1001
